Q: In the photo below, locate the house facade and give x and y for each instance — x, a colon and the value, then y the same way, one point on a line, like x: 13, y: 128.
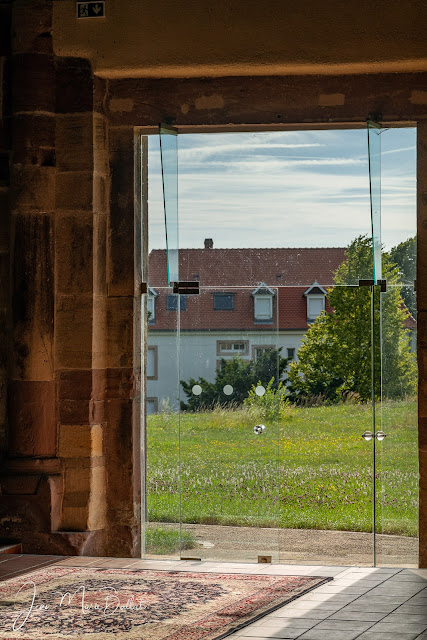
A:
x: 250, y: 301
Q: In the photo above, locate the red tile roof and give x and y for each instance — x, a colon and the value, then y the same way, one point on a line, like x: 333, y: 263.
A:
x: 243, y: 267
x: 240, y: 271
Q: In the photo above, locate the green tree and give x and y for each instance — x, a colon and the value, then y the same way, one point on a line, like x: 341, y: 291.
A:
x: 241, y: 374
x: 335, y: 356
x: 404, y: 255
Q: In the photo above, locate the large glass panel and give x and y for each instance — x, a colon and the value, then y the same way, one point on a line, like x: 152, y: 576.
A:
x: 162, y: 509
x: 397, y: 432
x: 326, y: 474
x: 396, y: 452
x: 232, y: 405
x: 298, y: 206
x: 169, y: 163
x: 374, y: 153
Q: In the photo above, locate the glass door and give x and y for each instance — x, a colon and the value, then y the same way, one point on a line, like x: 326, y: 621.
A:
x: 395, y: 431
x: 263, y: 436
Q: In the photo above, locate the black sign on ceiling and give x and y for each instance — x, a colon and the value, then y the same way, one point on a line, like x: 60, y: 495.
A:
x: 91, y: 9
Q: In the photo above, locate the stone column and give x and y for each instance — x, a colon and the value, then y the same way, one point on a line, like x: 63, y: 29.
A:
x: 31, y: 494
x: 80, y: 312
x: 122, y: 435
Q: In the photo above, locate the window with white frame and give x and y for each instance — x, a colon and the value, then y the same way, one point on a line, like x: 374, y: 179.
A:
x: 232, y: 347
x: 315, y: 305
x: 263, y: 303
x: 263, y: 307
x: 151, y: 305
x: 315, y: 296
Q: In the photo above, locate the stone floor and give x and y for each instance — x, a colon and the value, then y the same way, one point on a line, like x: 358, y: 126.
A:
x: 365, y: 603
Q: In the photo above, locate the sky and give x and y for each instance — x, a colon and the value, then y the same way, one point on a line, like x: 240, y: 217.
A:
x: 285, y: 189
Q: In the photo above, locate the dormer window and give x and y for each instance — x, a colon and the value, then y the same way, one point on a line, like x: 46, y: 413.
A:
x: 151, y: 305
x: 263, y: 304
x: 315, y: 296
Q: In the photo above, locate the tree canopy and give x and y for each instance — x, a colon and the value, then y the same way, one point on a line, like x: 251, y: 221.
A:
x: 334, y: 359
x: 404, y: 255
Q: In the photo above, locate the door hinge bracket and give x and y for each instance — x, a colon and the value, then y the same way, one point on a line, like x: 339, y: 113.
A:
x: 190, y: 287
x: 383, y: 285
x: 371, y: 283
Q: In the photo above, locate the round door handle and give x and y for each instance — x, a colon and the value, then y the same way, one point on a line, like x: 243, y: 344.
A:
x: 379, y: 435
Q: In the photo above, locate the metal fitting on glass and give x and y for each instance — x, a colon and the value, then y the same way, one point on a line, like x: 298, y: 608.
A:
x: 368, y: 435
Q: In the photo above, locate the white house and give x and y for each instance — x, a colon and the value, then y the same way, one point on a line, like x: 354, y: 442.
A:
x: 250, y: 300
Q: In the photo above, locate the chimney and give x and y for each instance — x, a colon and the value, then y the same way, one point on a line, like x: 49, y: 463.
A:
x: 208, y: 243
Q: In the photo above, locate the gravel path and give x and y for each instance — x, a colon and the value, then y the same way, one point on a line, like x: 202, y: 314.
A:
x: 299, y: 546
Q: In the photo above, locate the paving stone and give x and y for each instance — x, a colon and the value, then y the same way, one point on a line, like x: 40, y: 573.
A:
x: 411, y: 609
x: 318, y: 606
x: 371, y: 606
x: 329, y: 597
x: 402, y: 618
x: 303, y: 613
x: 389, y: 635
x: 351, y: 625
x: 330, y: 634
x: 260, y: 632
x: 283, y: 623
x: 369, y: 616
x: 405, y: 627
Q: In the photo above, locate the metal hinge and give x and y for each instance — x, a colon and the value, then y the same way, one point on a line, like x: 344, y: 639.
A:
x: 383, y: 285
x: 370, y: 283
x: 186, y: 287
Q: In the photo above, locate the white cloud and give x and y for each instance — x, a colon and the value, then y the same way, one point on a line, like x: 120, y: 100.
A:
x: 233, y: 189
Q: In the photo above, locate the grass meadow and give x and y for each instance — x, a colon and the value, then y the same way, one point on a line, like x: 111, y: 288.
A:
x: 311, y: 469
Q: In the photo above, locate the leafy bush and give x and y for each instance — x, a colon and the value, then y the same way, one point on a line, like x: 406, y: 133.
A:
x: 242, y: 375
x: 273, y: 405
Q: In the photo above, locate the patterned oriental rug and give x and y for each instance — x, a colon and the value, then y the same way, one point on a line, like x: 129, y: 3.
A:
x: 125, y: 604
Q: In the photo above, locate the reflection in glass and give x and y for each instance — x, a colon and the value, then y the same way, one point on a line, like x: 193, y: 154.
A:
x: 397, y: 453
x: 162, y: 504
x: 374, y: 151
x: 169, y: 162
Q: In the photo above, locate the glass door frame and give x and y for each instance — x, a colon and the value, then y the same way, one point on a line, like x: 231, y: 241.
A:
x: 374, y: 246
